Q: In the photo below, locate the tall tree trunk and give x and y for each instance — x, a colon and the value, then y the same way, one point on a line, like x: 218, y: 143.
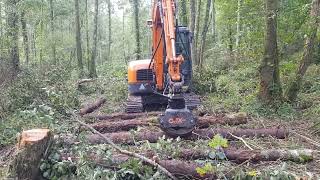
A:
x: 137, y: 28
x: 238, y: 24
x: 192, y: 25
x: 13, y: 32
x: 183, y: 12
x: 213, y: 25
x: 270, y: 86
x: 93, y: 71
x: 78, y: 38
x: 87, y: 36
x: 25, y: 36
x: 1, y: 31
x: 53, y: 44
x: 109, y: 29
x: 307, y: 58
x: 41, y: 33
x: 197, y: 33
x: 204, y: 33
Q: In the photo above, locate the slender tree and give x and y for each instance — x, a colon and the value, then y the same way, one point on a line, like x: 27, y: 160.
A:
x: 270, y: 86
x: 93, y: 71
x: 87, y: 36
x: 192, y: 25
x: 213, y: 25
x: 25, y: 35
x: 1, y: 29
x: 238, y: 24
x: 109, y: 29
x: 78, y: 38
x: 137, y: 28
x: 12, y: 34
x: 307, y: 58
x: 196, y: 39
x: 204, y: 33
x: 53, y: 44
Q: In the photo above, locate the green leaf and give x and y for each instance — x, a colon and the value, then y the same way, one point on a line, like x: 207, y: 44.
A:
x: 218, y: 141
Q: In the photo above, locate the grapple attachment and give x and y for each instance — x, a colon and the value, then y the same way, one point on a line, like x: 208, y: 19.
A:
x: 177, y: 119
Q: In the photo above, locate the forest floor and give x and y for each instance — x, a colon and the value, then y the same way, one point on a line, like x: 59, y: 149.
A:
x: 74, y: 148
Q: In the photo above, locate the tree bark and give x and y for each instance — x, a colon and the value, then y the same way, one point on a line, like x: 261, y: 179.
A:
x: 197, y: 33
x: 307, y: 58
x: 122, y: 116
x: 92, y: 107
x: 93, y: 71
x: 13, y: 33
x: 53, y: 42
x: 213, y: 26
x: 270, y: 86
x: 137, y: 28
x: 204, y: 33
x: 87, y: 36
x: 78, y: 38
x: 192, y: 25
x: 152, y: 137
x: 238, y: 24
x: 109, y: 30
x: 25, y: 36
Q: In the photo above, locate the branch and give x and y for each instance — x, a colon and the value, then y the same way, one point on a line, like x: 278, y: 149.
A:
x: 131, y: 154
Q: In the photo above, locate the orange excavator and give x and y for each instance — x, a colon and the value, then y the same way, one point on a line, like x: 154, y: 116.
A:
x: 165, y: 79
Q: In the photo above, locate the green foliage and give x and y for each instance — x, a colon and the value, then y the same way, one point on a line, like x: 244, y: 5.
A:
x: 36, y: 117
x: 218, y: 142
x: 206, y: 169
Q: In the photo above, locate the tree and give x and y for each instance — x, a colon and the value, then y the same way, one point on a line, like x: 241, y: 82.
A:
x: 192, y: 25
x: 53, y: 44
x: 307, y: 58
x: 137, y: 28
x: 213, y: 25
x: 204, y: 33
x: 12, y: 34
x: 109, y: 29
x: 238, y: 24
x: 270, y: 87
x: 93, y: 71
x: 197, y: 32
x: 25, y: 35
x: 78, y: 38
x: 87, y: 36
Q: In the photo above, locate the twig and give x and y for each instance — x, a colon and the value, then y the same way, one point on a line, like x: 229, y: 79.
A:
x: 313, y: 142
x: 241, y: 139
x: 125, y: 152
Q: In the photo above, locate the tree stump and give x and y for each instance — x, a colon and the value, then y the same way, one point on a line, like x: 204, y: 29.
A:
x: 32, y: 146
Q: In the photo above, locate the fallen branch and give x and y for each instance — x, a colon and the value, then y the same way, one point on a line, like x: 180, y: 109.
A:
x: 153, y: 136
x: 92, y: 107
x: 126, y: 125
x: 82, y: 81
x: 309, y: 140
x: 125, y: 152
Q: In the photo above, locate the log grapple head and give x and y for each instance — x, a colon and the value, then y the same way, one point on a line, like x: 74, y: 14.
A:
x: 177, y: 119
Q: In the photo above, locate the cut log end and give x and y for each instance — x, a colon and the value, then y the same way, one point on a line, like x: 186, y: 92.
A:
x: 32, y: 146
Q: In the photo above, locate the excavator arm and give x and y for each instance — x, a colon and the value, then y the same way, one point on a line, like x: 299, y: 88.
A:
x: 177, y: 119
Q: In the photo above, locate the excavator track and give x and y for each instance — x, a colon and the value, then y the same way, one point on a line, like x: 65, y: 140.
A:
x: 135, y: 104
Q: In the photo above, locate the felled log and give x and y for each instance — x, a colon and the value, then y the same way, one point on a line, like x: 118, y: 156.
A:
x: 92, y: 107
x: 32, y: 146
x: 126, y: 125
x: 153, y: 136
x: 254, y: 156
x: 122, y: 116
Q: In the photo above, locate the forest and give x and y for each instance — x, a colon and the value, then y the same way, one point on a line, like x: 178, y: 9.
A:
x: 65, y: 88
